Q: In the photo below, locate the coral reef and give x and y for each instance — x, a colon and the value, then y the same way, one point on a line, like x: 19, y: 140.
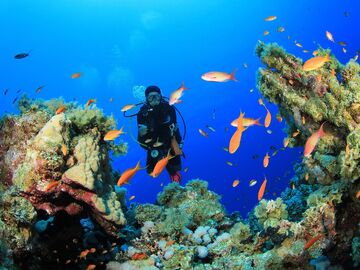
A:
x: 60, y: 167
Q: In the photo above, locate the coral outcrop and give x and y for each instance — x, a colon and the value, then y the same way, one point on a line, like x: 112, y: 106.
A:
x: 53, y: 163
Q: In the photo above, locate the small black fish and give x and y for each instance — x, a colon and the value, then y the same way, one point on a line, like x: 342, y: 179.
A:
x: 21, y: 55
x: 6, y: 91
x: 346, y: 14
x: 38, y: 90
x: 18, y: 91
x: 255, y: 156
x: 15, y: 99
x: 272, y: 147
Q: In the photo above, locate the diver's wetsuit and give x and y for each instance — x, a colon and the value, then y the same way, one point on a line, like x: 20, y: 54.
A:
x: 162, y: 125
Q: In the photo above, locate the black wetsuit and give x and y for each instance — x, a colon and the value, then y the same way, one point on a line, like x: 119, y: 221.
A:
x: 162, y: 126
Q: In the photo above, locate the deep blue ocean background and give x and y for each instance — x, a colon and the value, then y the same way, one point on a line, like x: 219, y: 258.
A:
x: 117, y: 44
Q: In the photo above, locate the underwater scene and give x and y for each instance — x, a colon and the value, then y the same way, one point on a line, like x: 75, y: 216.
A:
x: 179, y: 135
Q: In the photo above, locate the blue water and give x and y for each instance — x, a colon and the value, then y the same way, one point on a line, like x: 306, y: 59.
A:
x: 119, y: 44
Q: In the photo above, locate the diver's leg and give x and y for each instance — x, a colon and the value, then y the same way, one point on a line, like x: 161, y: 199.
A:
x: 173, y: 168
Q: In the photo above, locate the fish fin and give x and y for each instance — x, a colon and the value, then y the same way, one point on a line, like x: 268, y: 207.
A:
x: 232, y: 75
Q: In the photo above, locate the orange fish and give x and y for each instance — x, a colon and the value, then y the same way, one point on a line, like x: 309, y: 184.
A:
x: 92, y: 250
x: 295, y: 133
x: 127, y: 107
x: 169, y: 243
x: 267, y: 118
x: 139, y: 256
x: 128, y: 174
x: 270, y: 18
x: 266, y: 160
x: 61, y: 109
x: 266, y: 33
x: 313, y: 140
x: 51, y: 185
x: 303, y: 120
x: 318, y: 78
x: 312, y: 241
x: 262, y: 189
x: 286, y: 142
x: 236, y: 137
x: 235, y: 183
x: 202, y: 132
x: 84, y: 253
x: 90, y: 101
x: 306, y: 176
x: 315, y: 62
x: 218, y: 76
x: 76, y: 75
x: 160, y: 165
x: 177, y: 94
x: 315, y: 53
x: 247, y: 122
x: 329, y: 36
x: 346, y: 151
x: 333, y: 72
x: 113, y: 134
x: 64, y: 149
x: 279, y: 118
x: 357, y: 195
x: 91, y: 267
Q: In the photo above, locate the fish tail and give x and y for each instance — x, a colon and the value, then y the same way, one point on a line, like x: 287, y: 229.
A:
x: 183, y: 86
x: 257, y: 122
x: 232, y: 75
x: 321, y: 131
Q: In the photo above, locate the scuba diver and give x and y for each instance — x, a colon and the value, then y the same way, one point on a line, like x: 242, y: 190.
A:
x: 158, y: 133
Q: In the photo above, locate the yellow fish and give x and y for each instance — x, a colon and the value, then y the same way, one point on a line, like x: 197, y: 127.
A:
x: 247, y: 122
x: 76, y: 75
x: 127, y: 107
x: 270, y: 18
x: 218, y: 76
x: 235, y: 183
x: 177, y: 94
x: 252, y: 182
x: 329, y: 36
x: 113, y: 134
x: 315, y: 62
x: 89, y: 102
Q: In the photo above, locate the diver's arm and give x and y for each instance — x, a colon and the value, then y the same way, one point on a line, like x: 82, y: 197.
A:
x: 142, y: 129
x: 173, y: 120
